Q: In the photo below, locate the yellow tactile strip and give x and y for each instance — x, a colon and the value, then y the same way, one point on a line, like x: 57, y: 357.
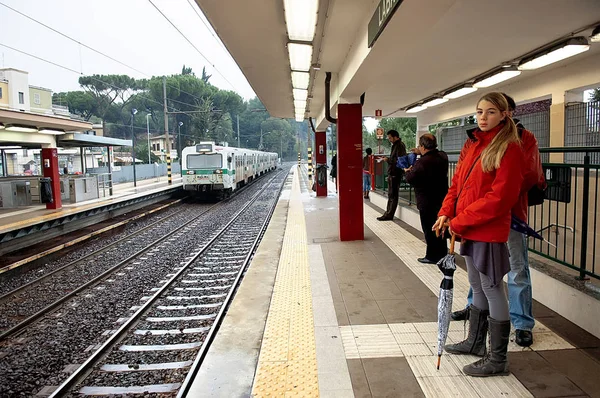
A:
x: 287, y: 365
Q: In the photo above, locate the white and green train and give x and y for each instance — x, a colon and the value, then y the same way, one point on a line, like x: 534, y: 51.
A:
x: 208, y: 168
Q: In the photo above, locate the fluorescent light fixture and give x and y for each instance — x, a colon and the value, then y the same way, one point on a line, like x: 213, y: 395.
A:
x: 299, y: 118
x: 301, y: 18
x: 300, y: 80
x: 499, y: 77
x: 300, y: 56
x: 300, y: 104
x: 571, y: 47
x: 416, y: 109
x: 44, y: 130
x: 21, y: 129
x: 460, y: 92
x: 299, y: 94
x: 435, y: 102
x: 595, y: 37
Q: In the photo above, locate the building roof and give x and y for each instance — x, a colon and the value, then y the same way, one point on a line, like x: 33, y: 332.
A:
x: 86, y: 140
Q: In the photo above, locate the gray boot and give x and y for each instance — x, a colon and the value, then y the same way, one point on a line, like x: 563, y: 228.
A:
x: 494, y: 363
x: 475, y: 342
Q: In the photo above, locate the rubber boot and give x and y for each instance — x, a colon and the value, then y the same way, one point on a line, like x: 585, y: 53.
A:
x: 494, y: 363
x: 475, y: 342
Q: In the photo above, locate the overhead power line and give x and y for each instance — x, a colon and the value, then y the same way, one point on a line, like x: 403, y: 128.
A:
x: 81, y: 74
x: 191, y: 44
x: 92, y: 49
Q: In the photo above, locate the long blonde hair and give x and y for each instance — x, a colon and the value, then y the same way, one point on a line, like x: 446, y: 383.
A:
x: 492, y: 155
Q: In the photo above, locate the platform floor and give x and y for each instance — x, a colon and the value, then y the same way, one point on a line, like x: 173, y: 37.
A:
x: 20, y: 217
x: 373, y: 317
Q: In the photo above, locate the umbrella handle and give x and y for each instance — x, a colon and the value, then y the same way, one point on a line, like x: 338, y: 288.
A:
x: 452, y: 242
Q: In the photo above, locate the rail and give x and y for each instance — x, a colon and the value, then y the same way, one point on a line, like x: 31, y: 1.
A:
x: 568, y: 218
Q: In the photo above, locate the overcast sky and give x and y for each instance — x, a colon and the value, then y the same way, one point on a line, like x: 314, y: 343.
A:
x: 131, y: 31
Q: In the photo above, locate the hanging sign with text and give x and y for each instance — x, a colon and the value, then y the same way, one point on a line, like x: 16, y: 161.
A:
x: 380, y: 18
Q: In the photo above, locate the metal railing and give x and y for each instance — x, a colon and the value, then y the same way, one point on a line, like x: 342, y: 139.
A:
x: 568, y: 218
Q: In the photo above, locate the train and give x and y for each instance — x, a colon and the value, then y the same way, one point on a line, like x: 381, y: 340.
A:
x: 209, y: 169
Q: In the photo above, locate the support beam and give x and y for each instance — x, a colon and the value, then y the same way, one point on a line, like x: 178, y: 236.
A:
x: 349, y: 172
x: 50, y: 167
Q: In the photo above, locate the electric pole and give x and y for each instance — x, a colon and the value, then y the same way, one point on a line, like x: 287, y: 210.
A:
x: 238, y: 129
x: 168, y: 141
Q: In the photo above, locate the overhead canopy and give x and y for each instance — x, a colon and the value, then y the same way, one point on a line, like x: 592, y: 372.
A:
x: 87, y: 140
x: 427, y: 46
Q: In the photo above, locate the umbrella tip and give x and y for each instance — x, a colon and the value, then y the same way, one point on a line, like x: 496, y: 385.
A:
x: 438, y: 362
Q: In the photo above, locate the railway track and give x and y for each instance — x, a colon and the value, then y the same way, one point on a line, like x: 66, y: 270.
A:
x: 45, y: 352
x: 176, y: 324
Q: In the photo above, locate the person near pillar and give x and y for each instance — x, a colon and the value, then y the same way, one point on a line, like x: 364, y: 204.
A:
x: 477, y: 208
x: 519, y: 279
x: 429, y: 177
x: 333, y: 172
x: 394, y: 174
x: 366, y: 174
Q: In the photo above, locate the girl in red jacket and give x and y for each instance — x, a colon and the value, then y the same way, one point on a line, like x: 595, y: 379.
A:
x: 485, y: 186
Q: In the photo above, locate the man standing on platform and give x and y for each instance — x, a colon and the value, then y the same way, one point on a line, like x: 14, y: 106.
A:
x: 429, y: 177
x: 394, y: 174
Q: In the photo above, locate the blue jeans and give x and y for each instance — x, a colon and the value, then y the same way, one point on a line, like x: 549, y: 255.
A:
x: 366, y: 182
x: 519, y: 283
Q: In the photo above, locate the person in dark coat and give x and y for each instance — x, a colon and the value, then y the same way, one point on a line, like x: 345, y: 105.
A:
x: 429, y: 177
x: 333, y: 172
x: 394, y: 174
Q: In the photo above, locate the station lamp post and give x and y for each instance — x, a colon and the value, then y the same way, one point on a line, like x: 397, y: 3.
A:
x: 133, y: 112
x: 148, y: 131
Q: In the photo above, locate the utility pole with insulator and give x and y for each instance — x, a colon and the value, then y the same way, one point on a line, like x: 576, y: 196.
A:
x: 168, y: 141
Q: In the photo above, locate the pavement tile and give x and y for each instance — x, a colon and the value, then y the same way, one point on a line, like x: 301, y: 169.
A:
x: 391, y: 377
x: 540, y: 377
x: 360, y: 385
x: 578, y: 367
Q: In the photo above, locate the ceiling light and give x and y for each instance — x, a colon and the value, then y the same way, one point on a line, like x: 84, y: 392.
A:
x: 300, y: 104
x: 460, y: 92
x: 21, y: 129
x: 416, y: 109
x: 567, y: 49
x: 316, y: 66
x: 300, y: 56
x: 44, y: 130
x: 299, y: 94
x: 299, y: 118
x: 300, y: 80
x: 435, y: 102
x: 301, y: 18
x: 595, y: 37
x: 505, y: 74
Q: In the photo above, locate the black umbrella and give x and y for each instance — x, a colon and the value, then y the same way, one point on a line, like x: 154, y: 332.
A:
x: 447, y: 265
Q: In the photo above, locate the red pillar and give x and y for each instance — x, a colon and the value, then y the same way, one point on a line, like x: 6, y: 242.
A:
x: 321, y: 159
x: 50, y: 166
x: 349, y: 171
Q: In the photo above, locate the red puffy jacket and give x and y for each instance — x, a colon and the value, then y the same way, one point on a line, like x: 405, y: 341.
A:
x: 532, y: 171
x: 479, y: 204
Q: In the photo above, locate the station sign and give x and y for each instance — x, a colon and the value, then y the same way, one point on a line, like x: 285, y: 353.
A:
x: 379, y: 133
x: 378, y: 113
x: 381, y: 17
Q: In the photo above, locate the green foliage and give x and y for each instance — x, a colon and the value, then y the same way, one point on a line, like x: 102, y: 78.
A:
x: 595, y: 95
x: 405, y: 126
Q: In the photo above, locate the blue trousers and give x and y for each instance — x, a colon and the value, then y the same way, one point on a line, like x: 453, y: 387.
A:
x: 520, y: 299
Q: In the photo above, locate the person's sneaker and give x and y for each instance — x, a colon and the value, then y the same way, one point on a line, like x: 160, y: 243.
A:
x: 461, y: 315
x: 524, y: 338
x: 385, y: 218
x: 425, y: 260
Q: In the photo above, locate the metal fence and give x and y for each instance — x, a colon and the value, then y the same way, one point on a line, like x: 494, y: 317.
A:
x: 568, y: 218
x: 582, y: 129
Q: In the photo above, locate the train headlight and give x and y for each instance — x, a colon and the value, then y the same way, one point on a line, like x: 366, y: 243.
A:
x: 190, y: 172
x: 218, y: 171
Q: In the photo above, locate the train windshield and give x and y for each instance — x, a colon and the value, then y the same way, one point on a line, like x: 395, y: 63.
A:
x: 204, y: 161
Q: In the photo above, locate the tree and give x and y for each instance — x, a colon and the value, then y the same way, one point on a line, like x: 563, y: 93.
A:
x: 405, y: 126
x: 205, y: 76
x: 595, y: 95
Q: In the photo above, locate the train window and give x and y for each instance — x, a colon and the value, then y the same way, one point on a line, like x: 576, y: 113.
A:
x: 204, y: 161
